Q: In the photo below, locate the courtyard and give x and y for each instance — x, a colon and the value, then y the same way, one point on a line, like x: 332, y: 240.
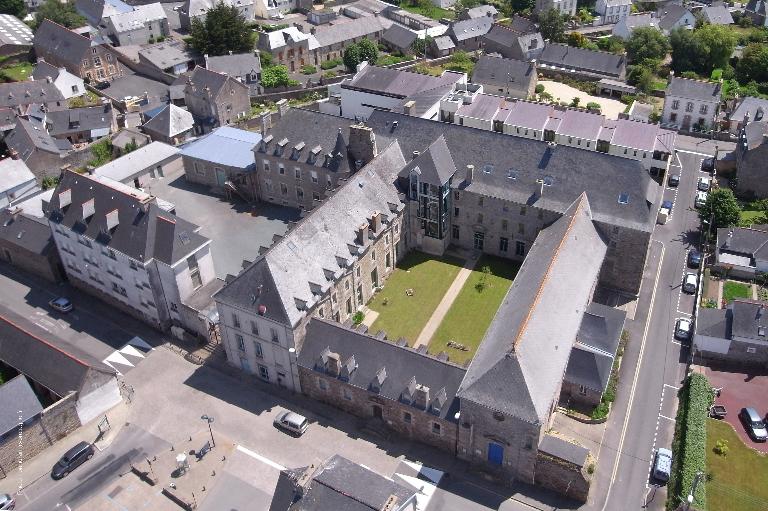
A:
x: 611, y: 108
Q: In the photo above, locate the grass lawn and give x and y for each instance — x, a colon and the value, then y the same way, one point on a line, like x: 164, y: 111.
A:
x: 740, y: 479
x: 429, y: 10
x: 17, y: 72
x: 472, y: 311
x: 403, y: 315
x: 387, y: 60
x: 733, y: 290
x: 749, y: 217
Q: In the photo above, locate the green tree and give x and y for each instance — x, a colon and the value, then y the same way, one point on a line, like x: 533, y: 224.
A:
x: 612, y: 44
x: 721, y: 207
x: 522, y: 5
x: 275, y: 76
x: 224, y: 30
x: 718, y: 41
x: 368, y: 51
x: 685, y: 50
x: 352, y: 57
x: 420, y: 45
x: 266, y: 59
x: 753, y: 64
x: 641, y: 77
x: 646, y: 43
x: 577, y: 40
x: 59, y: 12
x: 552, y: 25
x: 13, y: 7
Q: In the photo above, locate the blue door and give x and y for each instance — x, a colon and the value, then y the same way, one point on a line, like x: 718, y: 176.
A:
x: 495, y: 453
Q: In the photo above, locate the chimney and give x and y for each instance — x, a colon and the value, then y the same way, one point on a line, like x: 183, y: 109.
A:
x: 333, y: 365
x: 421, y: 397
x: 415, y: 154
x: 230, y: 52
x: 409, y: 107
x: 14, y: 154
x: 266, y: 122
x: 362, y: 143
x: 48, y: 79
x: 282, y: 107
x: 313, y: 30
x: 375, y: 222
x: 470, y: 174
x: 361, y: 235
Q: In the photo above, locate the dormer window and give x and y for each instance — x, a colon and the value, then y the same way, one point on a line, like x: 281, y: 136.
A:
x: 281, y: 146
x: 624, y: 198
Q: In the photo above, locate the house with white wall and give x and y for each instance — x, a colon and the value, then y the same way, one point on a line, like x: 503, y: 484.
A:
x: 16, y: 181
x: 690, y: 104
x: 613, y: 11
x: 68, y: 84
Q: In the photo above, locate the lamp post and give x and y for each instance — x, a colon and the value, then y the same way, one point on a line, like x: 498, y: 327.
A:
x: 209, y: 420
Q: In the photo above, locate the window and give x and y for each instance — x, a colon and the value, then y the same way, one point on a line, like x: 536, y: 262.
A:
x: 75, y: 89
x: 313, y: 175
x: 455, y: 211
x: 96, y: 61
x: 273, y: 334
x: 520, y: 228
x: 281, y: 169
x: 349, y: 305
x: 689, y: 107
x: 240, y: 342
x: 407, y: 417
x: 479, y: 218
x: 322, y: 384
x: 235, y: 320
x: 504, y: 225
x: 257, y: 349
x: 254, y: 328
x: 519, y: 248
x: 266, y: 165
x: 503, y: 244
x: 703, y: 109
x: 263, y: 372
x: 299, y: 193
x: 522, y: 211
x: 675, y: 104
x: 751, y: 349
x: 346, y: 394
x: 109, y: 57
x: 673, y: 117
x: 436, y: 429
x: 582, y: 390
x: 456, y: 195
x: 455, y: 232
x: 93, y: 50
x: 283, y: 189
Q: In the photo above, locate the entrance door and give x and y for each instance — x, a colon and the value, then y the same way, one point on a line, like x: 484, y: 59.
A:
x: 479, y: 240
x: 377, y: 411
x: 495, y: 453
x: 221, y: 177
x: 244, y: 365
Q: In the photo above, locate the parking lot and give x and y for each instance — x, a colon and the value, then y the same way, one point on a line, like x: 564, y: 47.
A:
x: 740, y: 390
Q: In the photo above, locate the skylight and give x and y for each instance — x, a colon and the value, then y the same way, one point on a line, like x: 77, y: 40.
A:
x: 512, y: 174
x: 624, y: 198
x: 487, y: 169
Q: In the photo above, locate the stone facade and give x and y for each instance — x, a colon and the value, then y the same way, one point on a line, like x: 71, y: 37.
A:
x: 46, y: 265
x: 561, y: 476
x: 222, y: 107
x: 579, y: 395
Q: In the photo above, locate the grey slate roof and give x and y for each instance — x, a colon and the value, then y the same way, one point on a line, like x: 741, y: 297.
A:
x: 167, y: 54
x: 743, y: 240
x: 568, y: 451
x: 434, y: 166
x: 757, y: 6
x: 236, y: 65
x: 482, y: 10
x: 27, y: 137
x: 327, y: 35
x: 201, y: 78
x: 14, y: 94
x: 467, y: 29
x: 401, y: 364
x: 60, y: 46
x: 399, y: 36
x: 717, y: 14
x: 755, y: 134
x: 14, y: 173
x: 322, y: 242
x: 603, y: 177
x: 671, y: 14
x: 714, y: 323
x: 144, y: 231
x: 225, y: 145
x: 170, y: 122
x: 592, y: 357
x: 44, y: 69
x: 138, y: 17
x: 444, y: 42
x: 18, y: 403
x: 757, y: 108
x: 599, y: 62
x: 26, y: 231
x: 76, y: 120
x: 519, y: 366
x: 95, y: 10
x: 396, y: 83
x: 499, y: 72
x: 750, y: 318
x: 693, y: 89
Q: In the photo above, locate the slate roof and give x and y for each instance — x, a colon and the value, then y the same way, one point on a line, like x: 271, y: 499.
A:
x: 143, y: 232
x: 76, y: 120
x: 143, y: 158
x: 27, y: 137
x: 603, y: 177
x: 467, y: 29
x: 484, y: 106
x: 482, y: 10
x: 580, y: 124
x: 519, y: 366
x: 396, y: 83
x: 236, y: 65
x: 444, y: 42
x: 170, y: 122
x: 743, y: 240
x: 755, y: 133
x: 14, y: 173
x: 60, y: 46
x: 671, y: 14
x: 714, y: 323
x: 567, y: 451
x: 15, y: 94
x: 225, y: 145
x: 750, y: 320
x: 95, y: 10
x: 167, y: 54
x: 499, y: 72
x: 327, y: 35
x: 434, y: 166
x: 18, y: 403
x: 201, y: 78
x: 717, y: 14
x: 44, y: 70
x: 399, y: 36
x: 401, y: 364
x: 26, y: 231
x: 598, y: 62
x: 196, y: 8
x: 592, y: 357
x: 14, y: 32
x: 291, y: 36
x: 755, y: 107
x: 693, y: 89
x: 321, y: 244
x: 55, y: 364
x: 137, y: 18
x: 645, y: 19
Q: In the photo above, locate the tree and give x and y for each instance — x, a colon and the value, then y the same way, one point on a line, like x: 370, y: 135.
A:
x: 224, y: 30
x: 368, y: 51
x: 275, y: 76
x: 578, y: 40
x: 721, y: 207
x: 718, y: 41
x: 522, y: 5
x: 13, y: 7
x: 352, y: 57
x: 265, y: 58
x: 646, y: 43
x: 552, y: 25
x: 612, y: 44
x: 420, y: 45
x: 62, y: 13
x: 641, y: 77
x: 685, y: 50
x: 753, y: 64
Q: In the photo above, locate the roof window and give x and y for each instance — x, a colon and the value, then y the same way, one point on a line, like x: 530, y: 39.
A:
x: 623, y: 198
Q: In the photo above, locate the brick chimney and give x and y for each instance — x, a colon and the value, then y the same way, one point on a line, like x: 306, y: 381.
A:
x: 362, y: 235
x: 470, y: 174
x: 421, y: 397
x: 375, y: 222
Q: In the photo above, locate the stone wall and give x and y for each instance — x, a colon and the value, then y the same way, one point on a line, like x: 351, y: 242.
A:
x: 561, y: 476
x: 55, y: 422
x: 204, y: 172
x: 625, y: 259
x: 45, y: 266
x: 361, y: 403
x: 570, y: 391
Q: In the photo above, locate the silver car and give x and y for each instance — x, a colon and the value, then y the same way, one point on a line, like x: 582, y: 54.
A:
x: 690, y: 281
x: 291, y: 422
x: 61, y: 304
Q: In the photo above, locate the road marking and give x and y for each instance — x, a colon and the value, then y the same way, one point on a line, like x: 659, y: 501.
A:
x: 706, y: 155
x: 665, y: 417
x: 671, y: 386
x: 259, y: 457
x: 636, y: 377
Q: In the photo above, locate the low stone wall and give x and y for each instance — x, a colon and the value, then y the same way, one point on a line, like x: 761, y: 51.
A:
x: 53, y: 424
x: 563, y: 477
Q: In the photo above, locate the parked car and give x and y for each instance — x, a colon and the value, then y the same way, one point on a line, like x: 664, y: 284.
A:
x: 291, y: 422
x: 61, y: 304
x: 690, y: 281
x: 682, y: 329
x: 694, y: 258
x: 708, y: 164
x: 700, y: 199
x: 7, y: 502
x: 703, y: 184
x: 662, y: 465
x: 101, y: 85
x: 753, y: 424
x: 673, y: 180
x: 72, y: 459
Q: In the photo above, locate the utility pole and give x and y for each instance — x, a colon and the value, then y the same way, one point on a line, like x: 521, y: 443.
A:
x: 689, y: 501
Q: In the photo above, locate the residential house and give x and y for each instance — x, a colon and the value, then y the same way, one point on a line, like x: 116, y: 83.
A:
x: 751, y: 153
x: 374, y: 87
x: 89, y: 58
x: 691, y: 104
x: 736, y: 335
x: 171, y: 57
x: 140, y: 166
x: 172, y: 125
x: 98, y: 11
x: 673, y: 16
x: 399, y: 39
x: 506, y: 77
x: 479, y: 12
x: 746, y: 110
x: 84, y: 124
x: 440, y: 46
x: 626, y: 25
x: 423, y: 25
x: 741, y: 252
x: 118, y: 244
x: 19, y: 96
x: 613, y: 11
x: 756, y: 10
x: 196, y: 9
x: 468, y: 34
x: 245, y: 67
x: 16, y: 181
x: 129, y: 136
x: 69, y: 85
x: 717, y: 14
x: 291, y: 47
x: 521, y: 41
x: 31, y: 143
x: 26, y: 242
x: 143, y: 25
x: 215, y: 99
x: 15, y: 36
x: 565, y: 7
x: 561, y: 59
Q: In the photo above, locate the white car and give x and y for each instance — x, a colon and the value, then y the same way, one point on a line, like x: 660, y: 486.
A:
x: 61, y: 304
x: 704, y: 184
x: 700, y: 200
x: 690, y: 281
x: 291, y: 422
x: 683, y: 329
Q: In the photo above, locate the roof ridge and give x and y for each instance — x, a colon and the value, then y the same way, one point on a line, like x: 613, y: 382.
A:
x: 68, y: 355
x: 544, y: 280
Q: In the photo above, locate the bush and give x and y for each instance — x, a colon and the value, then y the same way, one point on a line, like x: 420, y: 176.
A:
x: 539, y: 89
x: 358, y: 317
x: 594, y: 106
x: 330, y: 74
x: 308, y: 70
x: 330, y: 64
x: 721, y: 448
x: 102, y: 153
x: 690, y: 442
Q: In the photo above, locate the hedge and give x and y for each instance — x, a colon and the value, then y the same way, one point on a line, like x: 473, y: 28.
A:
x: 690, y: 443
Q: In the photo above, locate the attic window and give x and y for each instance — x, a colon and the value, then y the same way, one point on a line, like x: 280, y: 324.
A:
x: 88, y: 209
x: 512, y: 174
x: 549, y: 180
x: 487, y: 169
x: 113, y: 219
x: 623, y: 198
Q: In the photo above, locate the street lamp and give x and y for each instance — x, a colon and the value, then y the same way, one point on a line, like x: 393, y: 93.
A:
x: 209, y: 420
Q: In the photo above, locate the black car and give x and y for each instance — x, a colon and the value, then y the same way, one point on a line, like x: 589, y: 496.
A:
x: 674, y: 180
x: 72, y: 459
x: 101, y: 85
x: 708, y: 164
x: 694, y: 259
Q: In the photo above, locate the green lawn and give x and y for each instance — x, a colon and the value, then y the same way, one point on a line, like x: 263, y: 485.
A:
x: 749, y: 217
x: 733, y: 290
x: 17, y: 72
x: 429, y: 10
x: 472, y: 311
x: 740, y: 479
x: 403, y: 315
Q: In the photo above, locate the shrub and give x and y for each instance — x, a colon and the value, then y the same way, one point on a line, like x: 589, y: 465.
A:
x: 102, y: 152
x: 330, y: 74
x: 308, y: 70
x: 600, y: 411
x: 721, y: 448
x: 358, y: 317
x: 330, y: 64
x: 539, y: 88
x: 593, y: 106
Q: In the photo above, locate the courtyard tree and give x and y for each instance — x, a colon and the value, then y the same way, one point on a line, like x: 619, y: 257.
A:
x: 552, y: 25
x: 13, y: 7
x: 223, y: 30
x: 721, y: 208
x: 753, y: 64
x: 352, y: 57
x: 641, y: 77
x: 368, y: 51
x: 275, y: 76
x: 59, y: 12
x: 646, y: 43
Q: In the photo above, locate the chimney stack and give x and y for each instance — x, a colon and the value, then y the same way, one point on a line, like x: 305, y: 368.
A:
x: 282, y: 107
x: 333, y: 365
x: 362, y: 143
x: 415, y: 154
x: 362, y: 235
x: 470, y: 174
x: 375, y: 222
x: 409, y: 107
x: 421, y: 397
